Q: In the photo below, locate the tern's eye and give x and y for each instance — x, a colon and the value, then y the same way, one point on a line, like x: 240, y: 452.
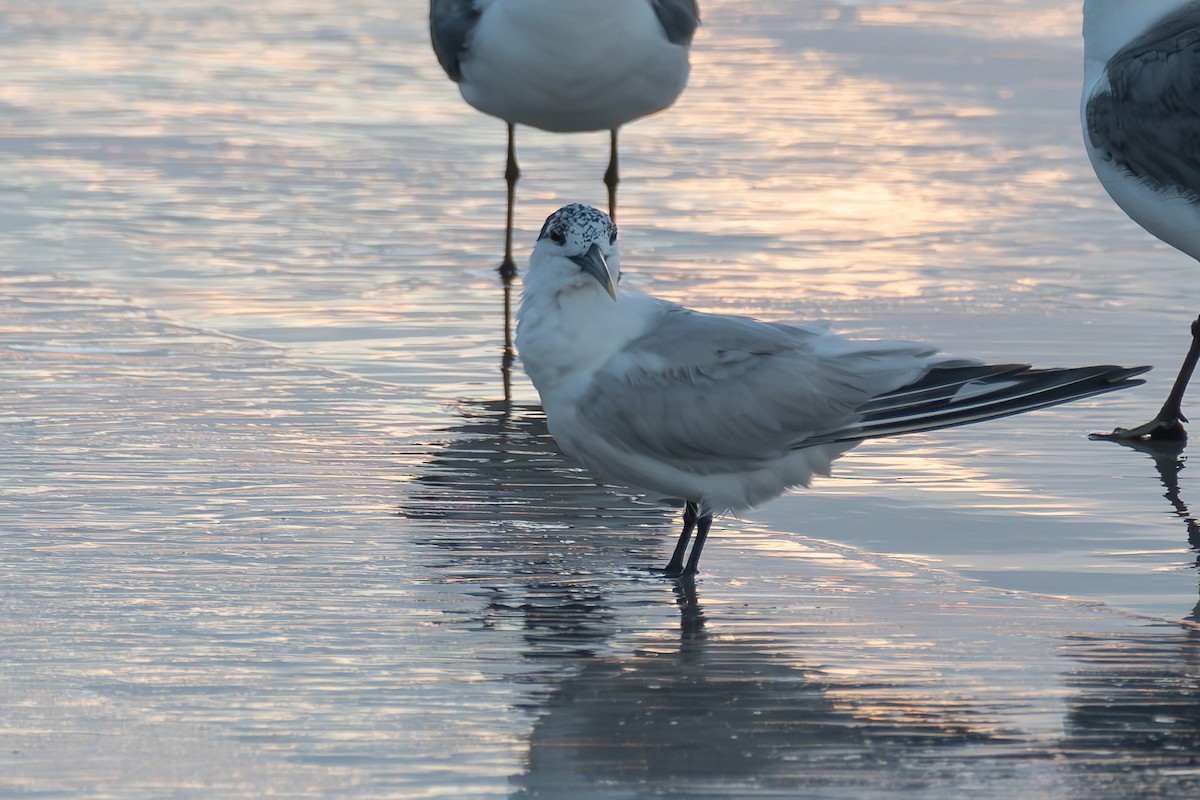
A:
x: 613, y: 239
x: 557, y: 236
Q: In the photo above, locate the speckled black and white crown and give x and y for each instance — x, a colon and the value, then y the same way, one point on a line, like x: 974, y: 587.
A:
x: 579, y: 221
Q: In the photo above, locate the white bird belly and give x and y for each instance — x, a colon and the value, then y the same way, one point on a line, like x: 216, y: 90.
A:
x: 572, y: 65
x: 743, y: 486
x: 1171, y: 216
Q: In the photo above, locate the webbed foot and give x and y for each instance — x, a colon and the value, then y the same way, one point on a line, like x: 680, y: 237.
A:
x: 1161, y: 428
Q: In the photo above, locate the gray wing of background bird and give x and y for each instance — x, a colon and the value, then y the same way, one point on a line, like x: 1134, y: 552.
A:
x: 679, y: 19
x: 450, y: 25
x: 1148, y: 121
x: 714, y: 390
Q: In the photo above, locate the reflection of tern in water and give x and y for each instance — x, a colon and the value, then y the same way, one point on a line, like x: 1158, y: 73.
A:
x: 502, y: 515
x: 726, y: 412
x: 497, y: 509
x: 721, y: 716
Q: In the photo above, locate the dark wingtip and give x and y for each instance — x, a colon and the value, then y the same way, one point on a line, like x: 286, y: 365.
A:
x: 1125, y: 377
x: 935, y: 403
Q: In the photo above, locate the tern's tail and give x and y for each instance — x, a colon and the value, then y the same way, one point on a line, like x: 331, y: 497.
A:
x: 961, y: 394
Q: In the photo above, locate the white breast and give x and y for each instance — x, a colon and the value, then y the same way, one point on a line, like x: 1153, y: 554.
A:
x: 571, y: 65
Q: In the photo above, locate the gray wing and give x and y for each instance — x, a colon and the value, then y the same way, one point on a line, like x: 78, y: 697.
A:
x: 450, y: 25
x: 1148, y: 121
x: 713, y: 390
x: 679, y: 19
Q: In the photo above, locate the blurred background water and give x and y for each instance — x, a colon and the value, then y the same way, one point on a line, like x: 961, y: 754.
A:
x: 268, y: 527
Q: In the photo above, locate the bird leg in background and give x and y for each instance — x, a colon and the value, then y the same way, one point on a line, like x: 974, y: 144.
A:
x: 691, y: 511
x: 508, y: 267
x: 1168, y: 424
x: 612, y: 176
x: 512, y: 172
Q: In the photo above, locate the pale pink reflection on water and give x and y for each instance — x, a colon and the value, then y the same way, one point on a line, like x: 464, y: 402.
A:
x: 270, y: 528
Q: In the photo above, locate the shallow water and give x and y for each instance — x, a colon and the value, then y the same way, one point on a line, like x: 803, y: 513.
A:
x: 270, y: 529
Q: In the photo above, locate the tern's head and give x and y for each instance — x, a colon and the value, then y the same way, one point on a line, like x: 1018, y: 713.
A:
x: 577, y: 248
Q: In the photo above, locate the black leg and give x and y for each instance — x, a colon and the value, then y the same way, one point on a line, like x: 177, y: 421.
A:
x: 702, y: 526
x: 1168, y: 424
x: 1173, y: 408
x: 612, y: 175
x: 512, y: 173
x: 691, y: 512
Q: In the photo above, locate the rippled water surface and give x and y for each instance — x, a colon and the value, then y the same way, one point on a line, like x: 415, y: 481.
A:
x: 270, y: 529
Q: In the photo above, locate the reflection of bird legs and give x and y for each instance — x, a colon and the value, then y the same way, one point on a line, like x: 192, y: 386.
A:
x: 1169, y: 462
x: 1168, y: 424
x: 691, y: 616
x: 506, y: 359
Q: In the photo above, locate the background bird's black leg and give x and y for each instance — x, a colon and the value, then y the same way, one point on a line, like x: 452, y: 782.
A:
x: 508, y: 267
x: 1168, y: 424
x: 1172, y: 410
x: 612, y: 175
x: 691, y: 512
x: 512, y: 173
x: 702, y: 525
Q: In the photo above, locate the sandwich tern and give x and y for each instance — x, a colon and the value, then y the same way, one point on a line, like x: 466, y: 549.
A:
x: 726, y: 412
